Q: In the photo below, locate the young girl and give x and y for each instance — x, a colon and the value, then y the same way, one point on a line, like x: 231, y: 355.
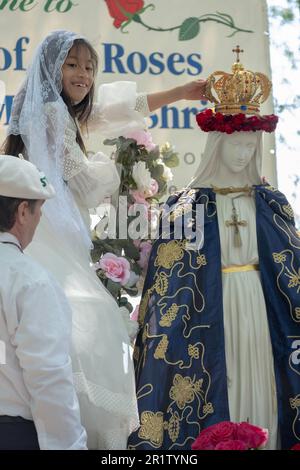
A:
x: 49, y: 111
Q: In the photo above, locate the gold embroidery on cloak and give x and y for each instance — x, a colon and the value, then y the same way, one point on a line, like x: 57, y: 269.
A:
x: 160, y: 351
x: 170, y: 315
x: 288, y: 210
x: 168, y: 253
x: 161, y: 284
x: 152, y: 427
x: 174, y: 427
x: 183, y: 390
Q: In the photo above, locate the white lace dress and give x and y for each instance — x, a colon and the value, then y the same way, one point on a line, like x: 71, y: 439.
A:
x: 249, y: 358
x: 101, y: 351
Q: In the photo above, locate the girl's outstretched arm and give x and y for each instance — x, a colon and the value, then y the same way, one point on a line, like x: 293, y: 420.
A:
x: 190, y: 91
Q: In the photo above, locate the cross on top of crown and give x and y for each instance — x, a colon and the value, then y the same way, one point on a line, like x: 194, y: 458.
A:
x: 238, y: 51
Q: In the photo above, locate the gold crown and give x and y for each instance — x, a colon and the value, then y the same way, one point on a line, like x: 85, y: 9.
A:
x: 241, y: 91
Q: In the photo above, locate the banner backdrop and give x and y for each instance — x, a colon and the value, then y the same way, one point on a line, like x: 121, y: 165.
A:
x: 159, y: 44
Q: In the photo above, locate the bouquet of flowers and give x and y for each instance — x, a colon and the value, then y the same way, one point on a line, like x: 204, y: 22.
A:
x: 296, y: 447
x: 231, y: 436
x: 123, y: 237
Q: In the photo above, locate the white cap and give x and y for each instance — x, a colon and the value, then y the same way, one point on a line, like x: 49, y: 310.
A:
x: 21, y: 179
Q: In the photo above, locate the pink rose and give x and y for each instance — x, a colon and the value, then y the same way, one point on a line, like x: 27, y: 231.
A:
x: 139, y: 196
x: 145, y: 249
x: 137, y: 243
x: 142, y: 138
x: 253, y: 436
x: 153, y: 189
x: 233, y: 444
x: 116, y: 268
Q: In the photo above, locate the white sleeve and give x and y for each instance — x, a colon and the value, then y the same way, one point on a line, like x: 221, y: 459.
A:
x: 120, y: 109
x: 42, y: 343
x: 97, y: 180
x: 90, y: 180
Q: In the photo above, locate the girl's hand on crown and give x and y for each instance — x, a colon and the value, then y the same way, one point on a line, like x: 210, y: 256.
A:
x: 194, y: 90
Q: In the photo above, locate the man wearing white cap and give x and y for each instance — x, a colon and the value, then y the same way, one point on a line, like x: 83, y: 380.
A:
x: 38, y: 403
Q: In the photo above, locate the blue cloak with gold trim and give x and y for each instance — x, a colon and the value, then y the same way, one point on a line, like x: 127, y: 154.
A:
x: 180, y: 351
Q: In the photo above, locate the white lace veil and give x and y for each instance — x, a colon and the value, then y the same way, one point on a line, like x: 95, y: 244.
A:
x: 40, y: 116
x: 204, y: 176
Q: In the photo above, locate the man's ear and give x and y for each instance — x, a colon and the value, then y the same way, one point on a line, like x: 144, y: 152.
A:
x: 22, y: 212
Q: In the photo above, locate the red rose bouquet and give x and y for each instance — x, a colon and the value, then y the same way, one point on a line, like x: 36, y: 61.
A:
x: 231, y: 436
x: 296, y: 447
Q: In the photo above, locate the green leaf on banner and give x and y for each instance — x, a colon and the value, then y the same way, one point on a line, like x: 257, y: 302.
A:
x: 189, y: 29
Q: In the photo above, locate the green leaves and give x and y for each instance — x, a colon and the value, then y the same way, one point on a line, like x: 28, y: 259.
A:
x: 131, y: 252
x: 189, y: 29
x: 171, y: 160
x: 132, y: 291
x: 157, y: 172
x: 113, y: 287
x: 111, y: 141
x: 123, y: 302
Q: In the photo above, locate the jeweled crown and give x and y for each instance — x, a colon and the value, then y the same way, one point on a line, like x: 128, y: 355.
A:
x: 241, y: 91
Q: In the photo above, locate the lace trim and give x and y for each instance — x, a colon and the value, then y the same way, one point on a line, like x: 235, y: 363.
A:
x: 141, y: 104
x: 112, y: 402
x: 73, y: 156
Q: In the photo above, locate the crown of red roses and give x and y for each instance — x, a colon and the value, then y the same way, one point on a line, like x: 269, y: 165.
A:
x: 209, y: 121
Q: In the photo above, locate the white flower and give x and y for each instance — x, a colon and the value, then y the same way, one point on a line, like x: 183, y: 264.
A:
x: 142, y: 176
x: 167, y: 174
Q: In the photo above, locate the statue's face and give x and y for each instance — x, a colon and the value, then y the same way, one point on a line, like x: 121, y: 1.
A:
x: 237, y: 149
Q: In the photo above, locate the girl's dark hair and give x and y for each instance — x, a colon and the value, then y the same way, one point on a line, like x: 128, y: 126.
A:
x: 8, y: 210
x: 13, y: 144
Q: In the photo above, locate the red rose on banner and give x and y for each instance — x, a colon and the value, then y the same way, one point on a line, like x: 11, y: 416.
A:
x: 118, y: 9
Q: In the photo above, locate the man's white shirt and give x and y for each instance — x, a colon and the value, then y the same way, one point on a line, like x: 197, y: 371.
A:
x: 35, y: 332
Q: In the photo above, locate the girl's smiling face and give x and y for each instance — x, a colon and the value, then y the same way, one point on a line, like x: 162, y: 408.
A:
x: 78, y: 73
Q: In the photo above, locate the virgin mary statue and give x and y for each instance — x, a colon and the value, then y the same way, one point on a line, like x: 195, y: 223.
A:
x: 219, y: 321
